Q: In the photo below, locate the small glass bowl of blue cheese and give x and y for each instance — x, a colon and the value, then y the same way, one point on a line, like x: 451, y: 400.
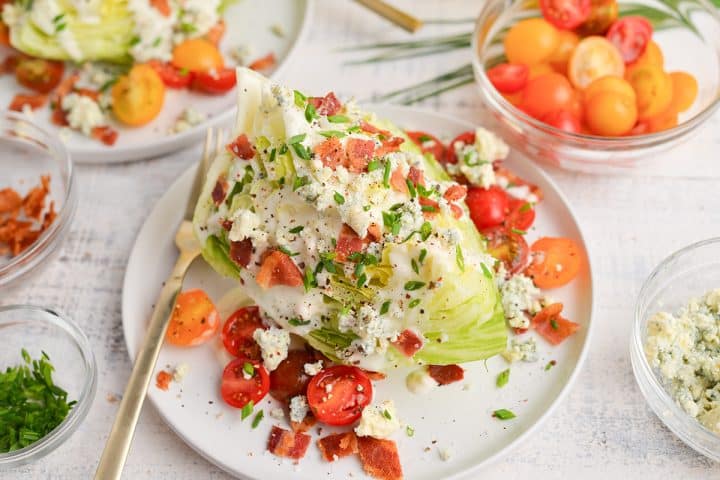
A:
x: 675, y: 345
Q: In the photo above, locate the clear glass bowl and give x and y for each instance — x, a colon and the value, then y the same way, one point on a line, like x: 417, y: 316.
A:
x: 686, y: 274
x: 26, y: 153
x: 39, y: 329
x: 690, y: 41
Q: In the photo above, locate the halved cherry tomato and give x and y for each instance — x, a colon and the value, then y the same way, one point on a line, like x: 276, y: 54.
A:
x: 466, y: 138
x: 652, y: 55
x: 602, y: 14
x: 238, y: 386
x: 565, y: 14
x: 508, y: 77
x: 338, y: 394
x: 555, y: 262
x: 289, y: 378
x: 215, y: 82
x: 547, y: 93
x: 530, y: 41
x: 685, y: 90
x: 552, y: 326
x: 594, y: 57
x: 488, y: 207
x: 197, y: 55
x: 567, y: 41
x: 563, y: 120
x: 194, y: 319
x: 171, y: 76
x: 39, y: 75
x: 653, y: 89
x: 609, y: 113
x: 278, y: 268
x: 521, y: 215
x: 630, y: 35
x: 609, y: 83
x: 428, y: 144
x: 138, y: 96
x: 508, y: 247
x: 237, y: 334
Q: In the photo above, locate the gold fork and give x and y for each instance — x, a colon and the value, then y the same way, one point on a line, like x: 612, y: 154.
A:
x: 118, y: 443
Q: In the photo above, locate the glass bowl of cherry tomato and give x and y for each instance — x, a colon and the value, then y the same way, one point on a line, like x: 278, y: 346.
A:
x: 597, y: 85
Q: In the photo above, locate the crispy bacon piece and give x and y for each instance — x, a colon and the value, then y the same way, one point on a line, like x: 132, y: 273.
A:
x: 287, y: 444
x: 263, y: 63
x: 241, y: 147
x: 388, y: 146
x: 338, y: 445
x: 58, y: 117
x: 455, y: 193
x: 105, y: 134
x: 33, y: 100
x: 375, y: 376
x: 307, y: 423
x: 215, y: 34
x: 10, y: 201
x: 446, y: 374
x: 219, y: 191
x: 16, y: 234
x: 552, y: 326
x: 241, y: 252
x: 380, y: 458
x: 278, y: 269
x: 348, y: 242
x: 374, y: 233
x: 330, y: 152
x: 408, y: 342
x: 34, y: 201
x: 359, y: 153
x: 163, y: 379
x: 416, y: 176
x: 397, y: 181
x: 368, y: 128
x: 327, y: 105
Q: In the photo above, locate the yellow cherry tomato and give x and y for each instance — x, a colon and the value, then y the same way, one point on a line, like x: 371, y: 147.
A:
x: 653, y: 89
x: 685, y: 90
x: 197, y: 55
x: 567, y: 41
x: 609, y: 84
x: 539, y: 69
x: 610, y: 114
x: 652, y: 56
x: 138, y: 96
x: 530, y: 41
x: 594, y: 57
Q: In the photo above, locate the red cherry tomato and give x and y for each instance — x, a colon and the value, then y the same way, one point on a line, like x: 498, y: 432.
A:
x: 509, y: 78
x: 508, y: 247
x: 428, y: 144
x: 631, y: 36
x: 338, y: 394
x: 546, y: 93
x: 171, y: 76
x: 466, y: 138
x: 239, y: 386
x: 289, y: 378
x: 39, y: 75
x: 237, y: 333
x: 565, y: 14
x: 563, y: 120
x: 215, y: 82
x: 488, y: 208
x: 521, y: 215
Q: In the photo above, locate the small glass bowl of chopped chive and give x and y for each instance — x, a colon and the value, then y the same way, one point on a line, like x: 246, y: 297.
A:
x: 675, y: 345
x: 48, y: 378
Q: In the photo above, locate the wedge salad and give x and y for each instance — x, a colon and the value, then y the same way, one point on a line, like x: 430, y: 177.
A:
x: 100, y: 63
x: 364, y: 248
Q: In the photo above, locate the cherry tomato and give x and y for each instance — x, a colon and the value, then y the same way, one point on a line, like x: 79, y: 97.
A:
x: 563, y: 120
x: 547, y: 93
x: 653, y: 89
x: 507, y: 246
x: 138, y: 96
x: 530, y: 41
x: 555, y: 262
x: 34, y: 101
x: 465, y: 138
x: 194, y: 319
x: 685, y: 90
x: 289, y: 378
x: 540, y: 69
x: 428, y: 144
x: 488, y: 208
x: 337, y: 395
x: 610, y: 113
x: 244, y: 380
x: 215, y: 82
x: 567, y: 41
x: 663, y: 121
x: 652, y: 55
x: 197, y: 55
x: 39, y: 75
x: 171, y: 76
x: 565, y: 14
x: 609, y: 83
x: 521, y: 215
x: 594, y: 57
x: 237, y: 333
x: 631, y: 36
x: 602, y: 14
x: 508, y: 77
x: 514, y: 98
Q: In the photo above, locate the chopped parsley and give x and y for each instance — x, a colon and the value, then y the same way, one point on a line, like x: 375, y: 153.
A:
x: 134, y: 41
x: 188, y: 27
x: 413, y: 285
x: 503, y: 378
x: 258, y: 418
x: 424, y: 138
x: 296, y: 322
x: 339, y: 199
x: 338, y: 119
x: 391, y: 220
x: 525, y: 207
x: 297, y: 229
x: 503, y: 414
x: 554, y: 324
x: 301, y: 150
x: 247, y: 410
x: 361, y: 280
x: 414, y: 265
x: 354, y: 129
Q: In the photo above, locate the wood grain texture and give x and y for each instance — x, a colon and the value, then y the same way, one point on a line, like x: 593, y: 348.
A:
x: 602, y: 429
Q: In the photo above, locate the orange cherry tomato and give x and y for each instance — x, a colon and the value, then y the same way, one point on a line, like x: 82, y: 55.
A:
x: 513, y: 98
x: 547, y: 93
x: 653, y: 89
x: 652, y: 55
x: 567, y: 41
x: 602, y: 14
x: 610, y: 113
x: 594, y: 57
x: 194, y: 319
x: 576, y: 105
x: 609, y: 84
x: 555, y: 262
x: 685, y: 90
x: 663, y: 121
x: 530, y: 41
x: 138, y: 96
x: 539, y: 69
x: 197, y: 55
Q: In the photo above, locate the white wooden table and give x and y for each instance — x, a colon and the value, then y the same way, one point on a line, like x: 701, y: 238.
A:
x: 603, y: 429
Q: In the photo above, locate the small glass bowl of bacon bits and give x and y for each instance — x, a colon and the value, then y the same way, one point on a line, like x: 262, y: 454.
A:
x: 37, y: 196
x: 597, y: 85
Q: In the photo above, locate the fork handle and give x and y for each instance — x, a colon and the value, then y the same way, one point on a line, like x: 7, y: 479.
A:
x: 118, y: 443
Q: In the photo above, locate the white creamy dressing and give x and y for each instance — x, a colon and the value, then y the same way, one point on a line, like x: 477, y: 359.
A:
x: 475, y: 160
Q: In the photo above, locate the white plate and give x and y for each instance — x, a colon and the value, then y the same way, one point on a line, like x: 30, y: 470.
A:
x: 248, y: 23
x: 457, y: 416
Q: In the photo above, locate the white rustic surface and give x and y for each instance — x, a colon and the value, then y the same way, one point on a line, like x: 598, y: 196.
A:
x: 603, y: 429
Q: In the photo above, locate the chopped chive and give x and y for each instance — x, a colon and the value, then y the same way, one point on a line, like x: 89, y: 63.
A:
x: 157, y: 41
x: 248, y: 368
x: 428, y: 208
x: 187, y: 27
x: 296, y: 322
x: 503, y: 378
x: 518, y: 231
x: 361, y: 281
x: 459, y: 259
x: 287, y: 251
x: 300, y: 182
x: 373, y: 165
x: 296, y: 139
x: 424, y: 138
x: 300, y: 99
x: 354, y: 129
x: 309, y: 280
x: 414, y: 303
x: 423, y: 254
x: 247, y: 410
x: 526, y: 207
x: 414, y: 266
x: 359, y: 270
x: 339, y: 199
x: 283, y: 149
x: 338, y: 119
x: 486, y: 271
x: 258, y: 418
x: 387, y: 415
x: 273, y: 154
x: 385, y: 307
x: 58, y: 17
x: 503, y: 414
x: 310, y: 113
x: 414, y: 285
x: 409, y: 431
x: 386, y: 175
x: 554, y: 324
x: 61, y: 27
x: 332, y: 133
x: 425, y: 231
x: 411, y: 188
x: 297, y: 229
x: 301, y: 151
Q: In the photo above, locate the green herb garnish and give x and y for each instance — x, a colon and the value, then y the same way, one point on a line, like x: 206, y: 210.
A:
x: 310, y: 113
x: 248, y: 368
x: 409, y: 431
x: 486, y: 271
x: 503, y: 414
x: 414, y: 303
x: 387, y: 415
x: 296, y: 139
x: 373, y: 165
x: 258, y: 418
x: 332, y: 133
x: 503, y: 378
x: 339, y: 199
x: 423, y: 254
x: 297, y: 229
x: 309, y: 280
x: 385, y: 307
x: 386, y: 175
x: 296, y: 322
x: 554, y: 324
x: 459, y: 259
x: 518, y: 231
x: 338, y: 119
x: 550, y: 365
x: 247, y: 410
x: 414, y: 285
x: 300, y: 99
